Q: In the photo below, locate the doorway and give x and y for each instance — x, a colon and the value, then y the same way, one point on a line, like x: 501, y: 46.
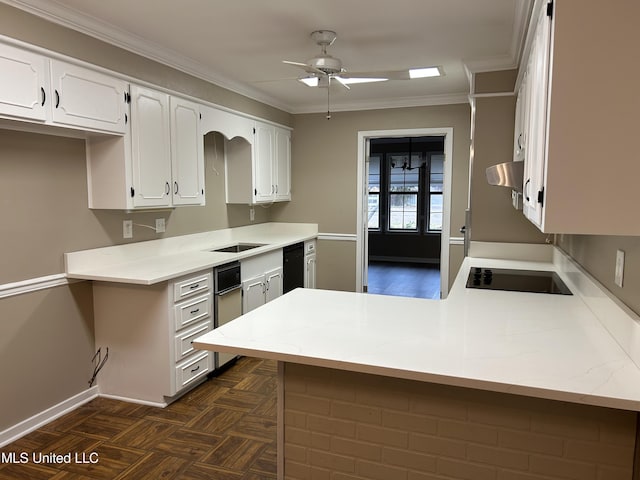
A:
x: 404, y: 200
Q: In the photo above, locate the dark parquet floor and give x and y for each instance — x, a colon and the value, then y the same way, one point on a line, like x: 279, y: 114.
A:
x: 404, y: 279
x: 225, y: 429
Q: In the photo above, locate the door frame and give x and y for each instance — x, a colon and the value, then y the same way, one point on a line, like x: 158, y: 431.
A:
x: 362, y: 238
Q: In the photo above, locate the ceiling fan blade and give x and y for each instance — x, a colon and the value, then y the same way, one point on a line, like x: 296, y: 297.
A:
x: 307, y: 68
x: 342, y: 82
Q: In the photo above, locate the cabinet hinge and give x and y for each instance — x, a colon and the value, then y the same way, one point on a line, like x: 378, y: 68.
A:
x: 133, y: 192
x: 255, y: 191
x: 541, y: 196
x: 254, y: 131
x: 550, y: 9
x: 126, y: 119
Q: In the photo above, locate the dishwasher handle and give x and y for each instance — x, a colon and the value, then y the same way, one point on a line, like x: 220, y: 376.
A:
x: 228, y: 290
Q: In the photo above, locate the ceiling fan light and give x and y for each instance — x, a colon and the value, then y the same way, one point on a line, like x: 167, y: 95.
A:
x: 350, y: 81
x: 309, y: 81
x: 424, y: 72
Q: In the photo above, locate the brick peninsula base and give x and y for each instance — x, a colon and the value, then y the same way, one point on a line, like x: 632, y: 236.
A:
x: 340, y: 425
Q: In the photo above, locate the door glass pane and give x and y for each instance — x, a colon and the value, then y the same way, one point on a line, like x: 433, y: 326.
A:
x: 404, y: 178
x: 437, y: 173
x: 403, y: 211
x: 374, y: 193
x: 435, y: 211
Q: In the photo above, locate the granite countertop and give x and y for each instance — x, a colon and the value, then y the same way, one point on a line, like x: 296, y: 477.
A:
x: 540, y: 345
x: 154, y: 261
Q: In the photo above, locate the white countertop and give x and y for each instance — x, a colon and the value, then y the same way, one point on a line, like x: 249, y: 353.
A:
x: 160, y: 260
x: 540, y: 345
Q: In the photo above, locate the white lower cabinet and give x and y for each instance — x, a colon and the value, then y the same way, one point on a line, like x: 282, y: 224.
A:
x: 261, y: 279
x: 310, y: 264
x: 148, y: 331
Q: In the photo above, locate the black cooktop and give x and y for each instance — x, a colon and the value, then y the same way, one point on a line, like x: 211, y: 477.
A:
x: 516, y: 280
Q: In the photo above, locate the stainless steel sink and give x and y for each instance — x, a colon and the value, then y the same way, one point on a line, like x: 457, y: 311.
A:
x: 238, y: 247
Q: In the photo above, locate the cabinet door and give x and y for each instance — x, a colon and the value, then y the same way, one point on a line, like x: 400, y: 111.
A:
x: 273, y: 287
x: 88, y: 99
x: 283, y: 164
x: 23, y: 84
x: 187, y: 153
x: 310, y: 271
x: 150, y: 145
x: 263, y: 161
x: 520, y: 126
x: 535, y: 156
x: 253, y: 291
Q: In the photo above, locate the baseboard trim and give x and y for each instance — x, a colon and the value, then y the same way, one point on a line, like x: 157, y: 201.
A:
x: 135, y: 400
x: 19, y: 430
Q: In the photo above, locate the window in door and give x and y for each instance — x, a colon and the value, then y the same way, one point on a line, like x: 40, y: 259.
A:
x: 436, y: 178
x: 403, y: 191
x: 406, y: 185
x: 374, y: 193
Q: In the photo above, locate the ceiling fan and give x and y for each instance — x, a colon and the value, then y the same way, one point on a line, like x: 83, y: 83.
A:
x: 323, y: 68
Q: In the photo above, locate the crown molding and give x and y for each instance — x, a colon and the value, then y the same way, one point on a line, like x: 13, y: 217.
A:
x: 56, y: 13
x: 69, y: 18
x: 425, y: 101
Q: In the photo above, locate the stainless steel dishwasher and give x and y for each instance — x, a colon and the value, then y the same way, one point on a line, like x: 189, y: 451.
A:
x: 227, y: 289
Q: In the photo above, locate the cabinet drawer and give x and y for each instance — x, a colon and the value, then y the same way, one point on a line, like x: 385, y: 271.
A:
x: 193, y: 369
x: 184, y: 339
x: 190, y: 312
x: 191, y: 286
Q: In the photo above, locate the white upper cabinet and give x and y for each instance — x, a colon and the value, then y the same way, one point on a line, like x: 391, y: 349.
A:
x: 264, y: 156
x: 38, y: 89
x: 535, y: 122
x: 158, y: 163
x: 581, y: 168
x: 151, y: 148
x: 88, y: 99
x: 282, y: 164
x: 187, y: 153
x: 261, y: 174
x: 24, y: 84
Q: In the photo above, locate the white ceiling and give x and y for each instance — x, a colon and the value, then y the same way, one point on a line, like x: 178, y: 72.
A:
x: 240, y: 44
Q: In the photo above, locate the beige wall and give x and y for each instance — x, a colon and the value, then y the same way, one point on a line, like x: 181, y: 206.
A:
x: 325, y: 164
x: 597, y: 254
x: 46, y: 345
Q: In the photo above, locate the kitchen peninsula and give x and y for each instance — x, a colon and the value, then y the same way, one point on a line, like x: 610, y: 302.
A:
x: 482, y: 385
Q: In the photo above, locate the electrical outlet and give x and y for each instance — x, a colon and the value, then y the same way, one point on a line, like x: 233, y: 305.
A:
x: 252, y: 214
x: 619, y: 275
x: 160, y: 227
x: 127, y: 229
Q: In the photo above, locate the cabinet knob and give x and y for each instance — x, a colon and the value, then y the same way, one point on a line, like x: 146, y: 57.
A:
x: 167, y: 188
x: 44, y: 95
x: 57, y: 99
